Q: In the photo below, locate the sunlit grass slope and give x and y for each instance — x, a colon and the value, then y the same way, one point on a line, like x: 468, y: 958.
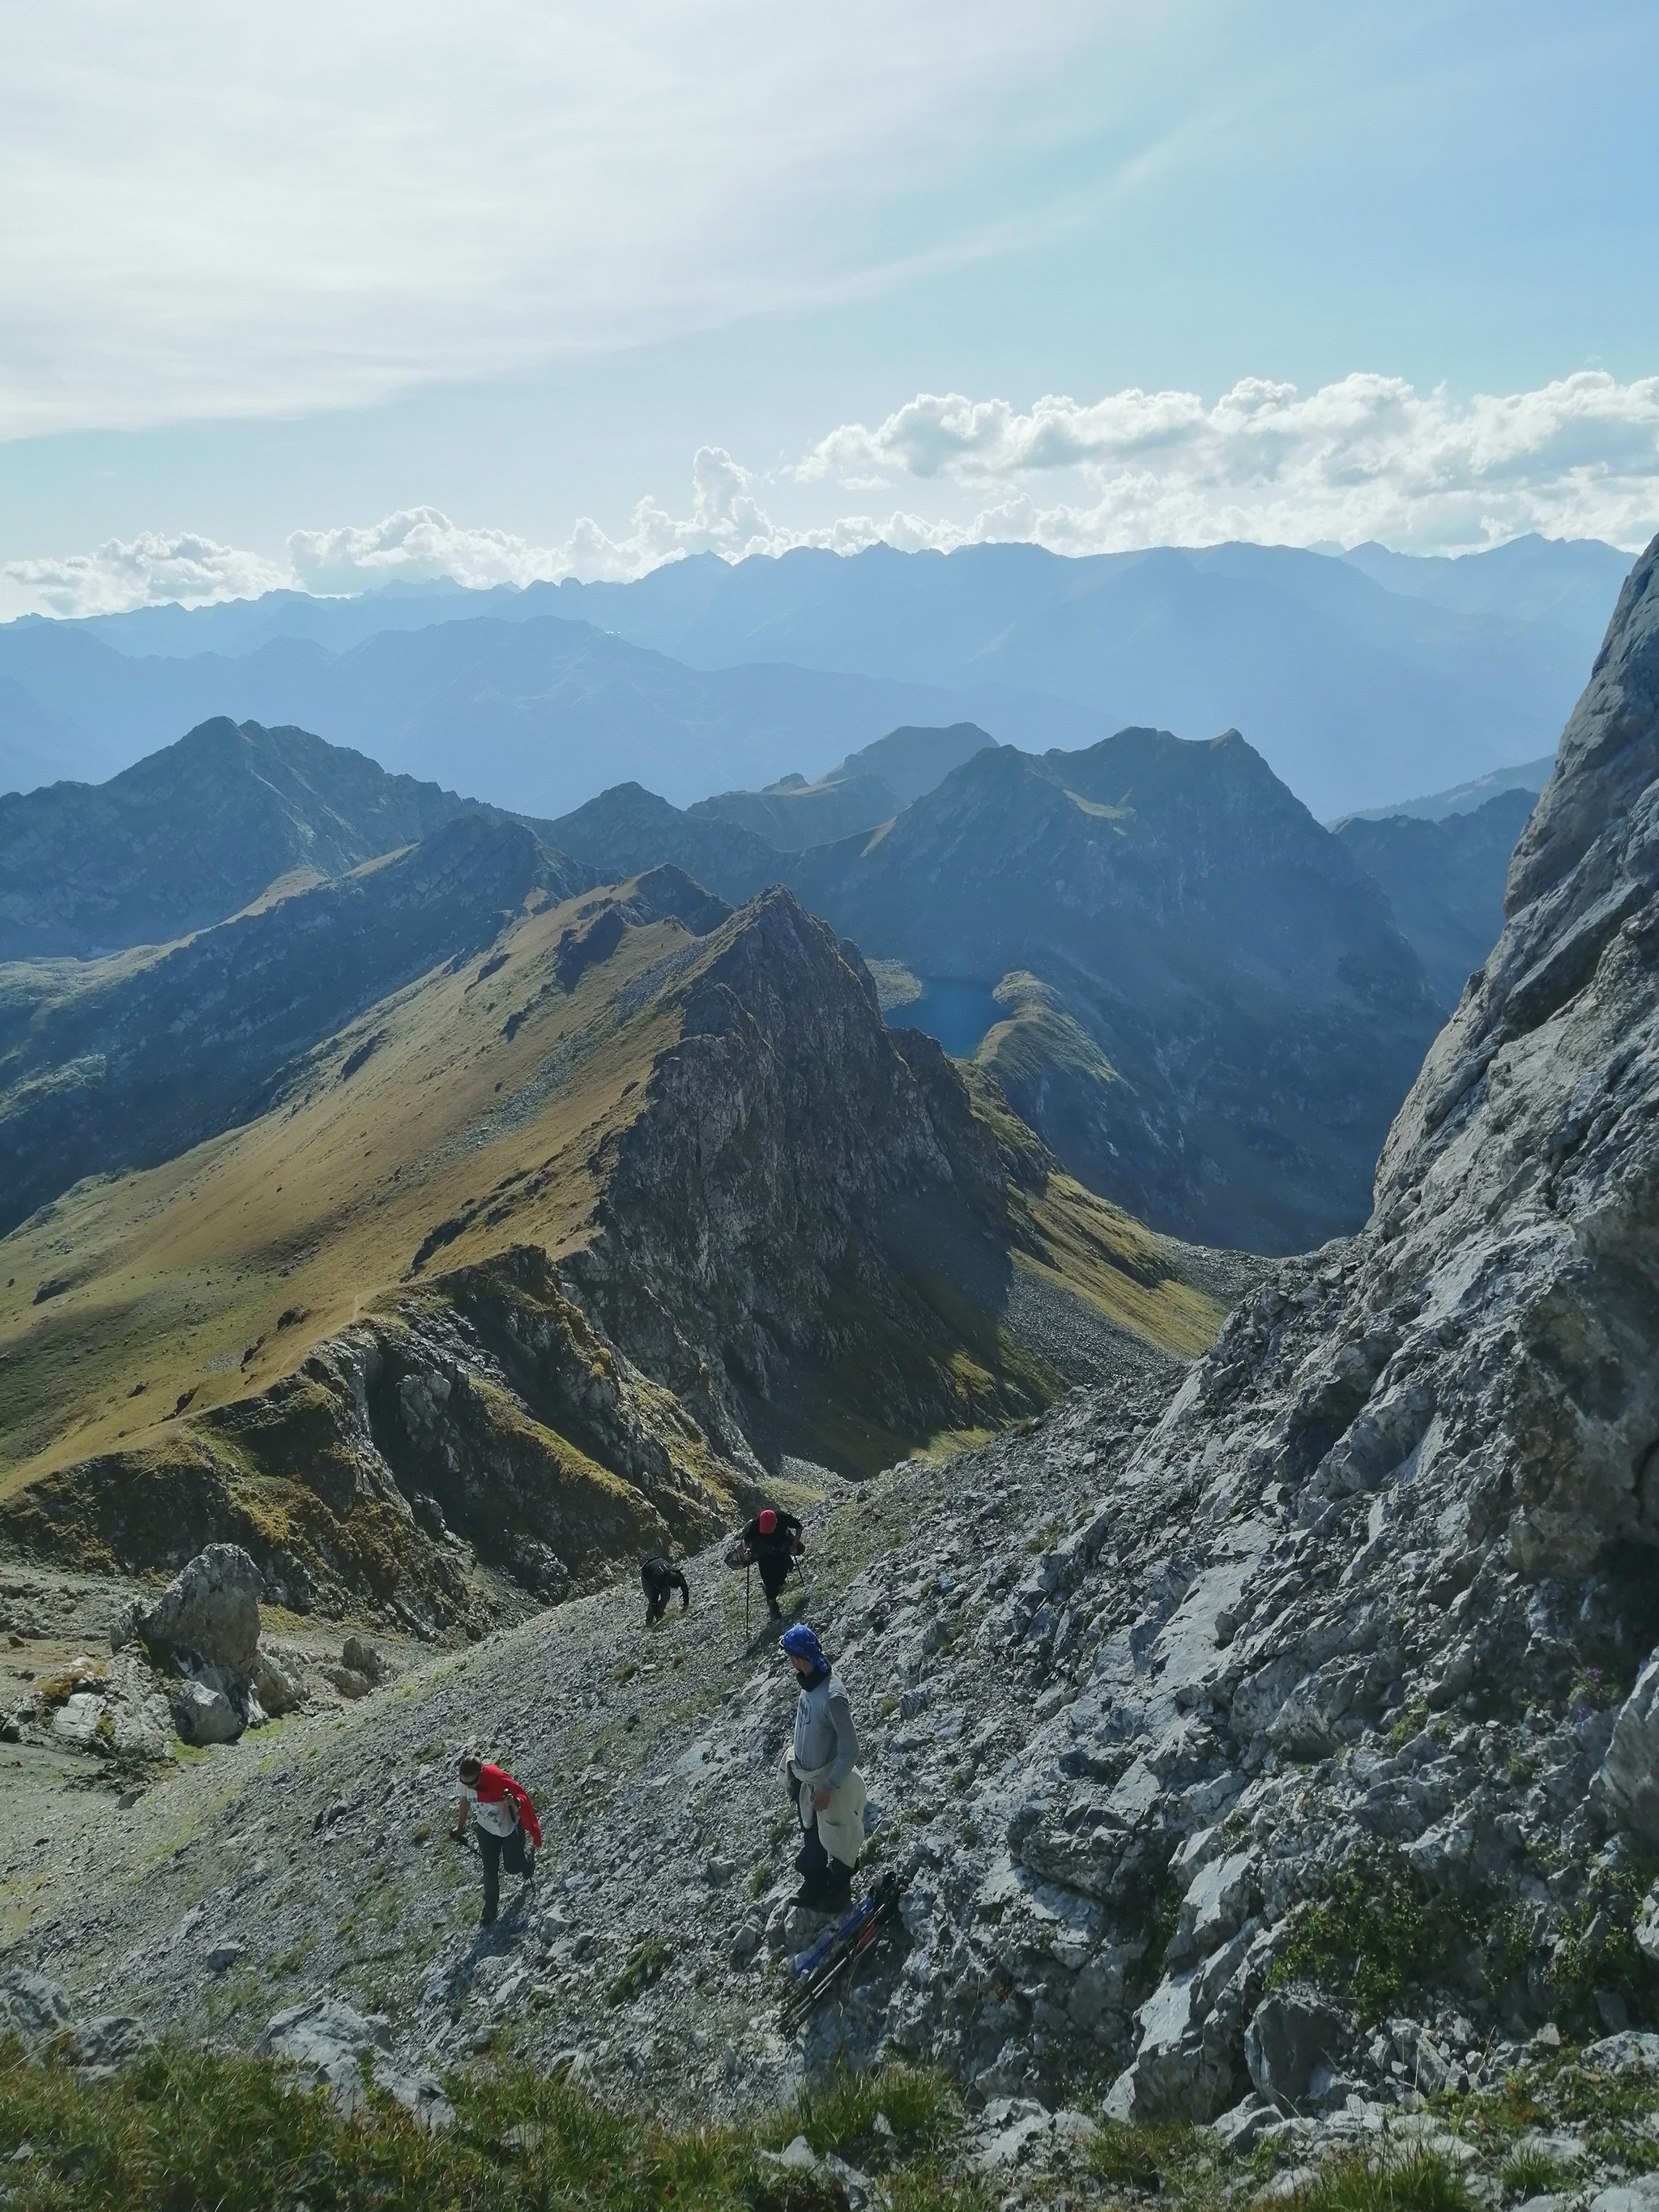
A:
x: 477, y: 1109
x: 477, y: 1097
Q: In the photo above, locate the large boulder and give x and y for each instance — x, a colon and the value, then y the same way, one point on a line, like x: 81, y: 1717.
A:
x: 279, y: 1680
x: 332, y: 2046
x: 209, y: 1613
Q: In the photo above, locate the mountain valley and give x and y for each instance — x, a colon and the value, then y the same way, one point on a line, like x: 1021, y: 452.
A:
x: 1254, y: 1660
x: 671, y: 1147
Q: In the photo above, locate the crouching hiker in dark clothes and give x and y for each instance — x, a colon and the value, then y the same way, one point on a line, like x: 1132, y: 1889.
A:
x: 657, y: 1579
x: 506, y: 1823
x: 825, y: 1787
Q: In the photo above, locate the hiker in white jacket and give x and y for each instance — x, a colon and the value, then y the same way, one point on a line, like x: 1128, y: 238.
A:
x: 827, y: 1788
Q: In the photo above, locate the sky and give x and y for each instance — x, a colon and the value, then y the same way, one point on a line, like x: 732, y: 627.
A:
x: 335, y: 296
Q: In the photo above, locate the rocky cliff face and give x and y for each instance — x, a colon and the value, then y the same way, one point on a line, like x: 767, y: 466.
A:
x: 743, y: 1251
x: 1369, y: 1597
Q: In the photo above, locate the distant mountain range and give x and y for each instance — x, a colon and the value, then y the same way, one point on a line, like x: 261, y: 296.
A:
x: 1445, y: 881
x: 1356, y: 677
x: 1464, y: 798
x: 1207, y: 1005
x: 868, y: 787
x: 533, y: 715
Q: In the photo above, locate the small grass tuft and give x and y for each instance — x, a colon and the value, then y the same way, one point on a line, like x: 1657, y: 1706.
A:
x: 643, y: 1966
x: 1532, y: 2173
x: 1422, y: 2183
x: 920, y: 2106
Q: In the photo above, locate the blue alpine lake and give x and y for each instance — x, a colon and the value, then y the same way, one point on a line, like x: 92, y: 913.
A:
x: 958, y: 1013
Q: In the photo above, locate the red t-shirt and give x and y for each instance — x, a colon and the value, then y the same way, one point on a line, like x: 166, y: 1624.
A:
x: 494, y: 1786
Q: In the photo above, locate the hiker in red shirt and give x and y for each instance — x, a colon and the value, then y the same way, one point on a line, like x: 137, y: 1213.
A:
x: 506, y: 1824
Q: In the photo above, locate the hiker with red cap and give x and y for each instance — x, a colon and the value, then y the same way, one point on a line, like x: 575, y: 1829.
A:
x: 505, y: 1822
x: 773, y: 1541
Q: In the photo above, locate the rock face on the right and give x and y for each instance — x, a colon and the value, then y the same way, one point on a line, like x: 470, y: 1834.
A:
x: 1361, y: 1764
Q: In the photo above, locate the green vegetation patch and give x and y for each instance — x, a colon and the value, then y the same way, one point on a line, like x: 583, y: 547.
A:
x: 920, y: 2106
x: 642, y: 1966
x: 1533, y: 2173
x: 1377, y: 1931
x: 1165, y: 2158
x: 186, y: 2129
x: 1422, y: 2183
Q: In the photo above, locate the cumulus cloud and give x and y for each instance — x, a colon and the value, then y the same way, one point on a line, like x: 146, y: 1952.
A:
x: 1368, y: 457
x: 149, y: 570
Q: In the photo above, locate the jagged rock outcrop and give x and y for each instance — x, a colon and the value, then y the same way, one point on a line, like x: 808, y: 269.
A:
x: 745, y: 1236
x: 1365, y: 1602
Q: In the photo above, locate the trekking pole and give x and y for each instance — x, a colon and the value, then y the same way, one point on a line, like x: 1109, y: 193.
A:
x: 747, y: 1572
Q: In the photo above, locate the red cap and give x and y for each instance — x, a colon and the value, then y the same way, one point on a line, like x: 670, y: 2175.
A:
x: 768, y: 1522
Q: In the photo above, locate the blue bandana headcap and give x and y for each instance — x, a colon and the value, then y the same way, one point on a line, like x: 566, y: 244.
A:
x: 799, y: 1642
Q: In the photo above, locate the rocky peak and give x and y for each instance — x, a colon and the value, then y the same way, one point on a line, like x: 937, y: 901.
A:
x: 191, y: 834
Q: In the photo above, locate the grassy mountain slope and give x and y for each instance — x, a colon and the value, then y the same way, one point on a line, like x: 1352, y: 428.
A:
x: 1210, y: 1014
x: 193, y: 833
x: 1445, y: 881
x: 127, y: 1062
x: 596, y: 1218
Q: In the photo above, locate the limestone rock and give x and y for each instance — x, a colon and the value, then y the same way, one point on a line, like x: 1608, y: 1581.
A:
x: 203, y: 1715
x: 110, y: 2040
x: 1628, y: 1778
x: 208, y: 1612
x: 278, y: 1680
x: 1289, y: 2036
x: 32, y: 2008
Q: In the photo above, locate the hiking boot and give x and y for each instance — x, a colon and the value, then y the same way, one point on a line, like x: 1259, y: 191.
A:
x: 836, y: 1888
x: 811, y: 1893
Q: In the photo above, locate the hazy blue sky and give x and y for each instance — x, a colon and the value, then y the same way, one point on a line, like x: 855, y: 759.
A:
x: 430, y: 286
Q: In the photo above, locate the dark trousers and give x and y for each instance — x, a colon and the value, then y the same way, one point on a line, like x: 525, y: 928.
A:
x: 813, y: 1862
x: 493, y: 1850
x: 773, y: 1574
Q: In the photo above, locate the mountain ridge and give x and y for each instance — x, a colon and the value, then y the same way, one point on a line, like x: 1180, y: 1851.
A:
x: 190, y: 835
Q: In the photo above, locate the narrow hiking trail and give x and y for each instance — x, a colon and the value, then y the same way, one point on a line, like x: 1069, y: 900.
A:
x: 310, y: 1859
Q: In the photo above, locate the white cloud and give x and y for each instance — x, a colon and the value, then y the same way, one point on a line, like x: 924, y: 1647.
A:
x: 149, y: 570
x: 1366, y: 457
